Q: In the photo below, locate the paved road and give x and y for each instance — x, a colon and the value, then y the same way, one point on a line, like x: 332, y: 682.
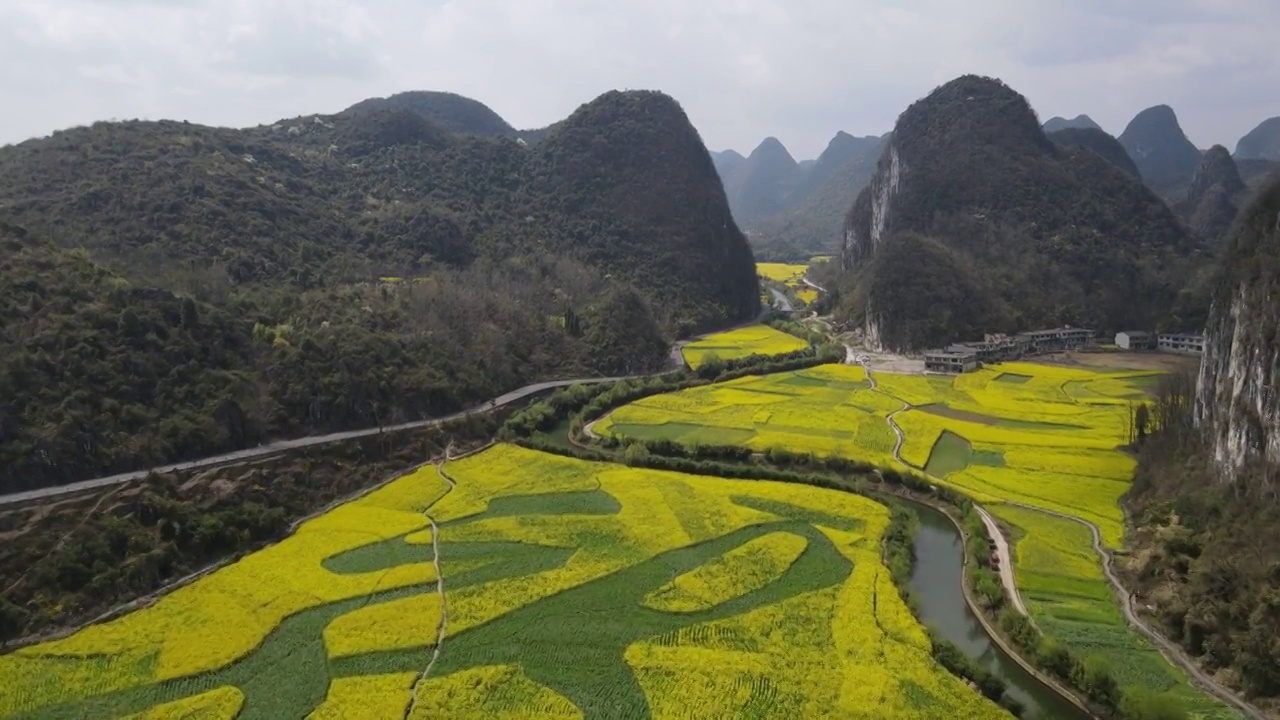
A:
x: 781, y: 302
x: 815, y: 286
x: 304, y: 442
x: 1006, y: 561
x: 677, y: 363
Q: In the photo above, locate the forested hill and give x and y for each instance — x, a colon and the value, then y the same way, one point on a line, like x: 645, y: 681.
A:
x: 453, y: 113
x: 976, y: 222
x: 170, y: 290
x: 1214, y: 196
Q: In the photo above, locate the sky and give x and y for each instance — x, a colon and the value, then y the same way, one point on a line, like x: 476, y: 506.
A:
x: 798, y: 70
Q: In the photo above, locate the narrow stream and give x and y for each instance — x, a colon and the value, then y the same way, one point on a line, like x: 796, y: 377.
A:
x: 936, y: 581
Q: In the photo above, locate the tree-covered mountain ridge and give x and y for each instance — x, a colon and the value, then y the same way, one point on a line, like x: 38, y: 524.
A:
x: 171, y: 290
x: 383, y: 191
x: 976, y: 222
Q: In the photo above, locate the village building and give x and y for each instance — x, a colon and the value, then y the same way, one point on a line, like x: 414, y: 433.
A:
x: 1058, y: 339
x: 950, y: 361
x: 1181, y: 343
x: 1135, y: 340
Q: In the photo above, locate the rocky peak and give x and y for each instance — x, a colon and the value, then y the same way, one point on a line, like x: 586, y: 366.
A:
x: 1261, y: 143
x: 1162, y: 152
x: 1215, y: 168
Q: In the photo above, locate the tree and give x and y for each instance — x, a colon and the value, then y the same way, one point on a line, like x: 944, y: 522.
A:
x: 1141, y: 418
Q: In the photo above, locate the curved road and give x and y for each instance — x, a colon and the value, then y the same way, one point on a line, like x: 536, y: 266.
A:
x: 677, y: 363
x: 304, y: 442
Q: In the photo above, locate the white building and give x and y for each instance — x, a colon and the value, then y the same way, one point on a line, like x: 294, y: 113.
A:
x: 1135, y: 340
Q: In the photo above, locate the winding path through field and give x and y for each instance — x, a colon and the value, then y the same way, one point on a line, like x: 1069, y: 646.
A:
x: 1002, y: 545
x: 443, y: 627
x: 1171, y: 652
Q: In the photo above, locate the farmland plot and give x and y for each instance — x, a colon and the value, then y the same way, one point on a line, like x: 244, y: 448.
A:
x: 570, y: 589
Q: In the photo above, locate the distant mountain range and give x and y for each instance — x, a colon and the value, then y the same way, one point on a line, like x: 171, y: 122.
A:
x: 792, y: 210
x: 1079, y: 122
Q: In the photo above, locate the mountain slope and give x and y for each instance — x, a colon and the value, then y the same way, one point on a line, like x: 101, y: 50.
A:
x: 728, y: 164
x: 1261, y: 143
x: 645, y: 203
x: 1096, y: 140
x: 517, y: 261
x: 1048, y: 235
x: 765, y: 183
x: 840, y: 151
x: 1079, y: 122
x: 454, y: 113
x: 1163, y: 154
x: 1212, y: 200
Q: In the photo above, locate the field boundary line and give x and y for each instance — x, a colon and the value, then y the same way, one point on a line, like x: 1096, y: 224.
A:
x: 442, y: 628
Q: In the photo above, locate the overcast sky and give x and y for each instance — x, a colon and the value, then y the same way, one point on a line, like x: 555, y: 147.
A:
x: 743, y: 69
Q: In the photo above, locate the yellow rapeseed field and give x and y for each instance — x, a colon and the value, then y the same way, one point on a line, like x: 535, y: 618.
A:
x: 781, y: 272
x: 1040, y: 441
x: 224, y: 616
x: 220, y: 704
x: 742, y: 570
x: 571, y: 589
x: 740, y: 343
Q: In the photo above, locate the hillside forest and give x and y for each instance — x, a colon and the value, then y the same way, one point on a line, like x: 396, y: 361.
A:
x: 172, y: 291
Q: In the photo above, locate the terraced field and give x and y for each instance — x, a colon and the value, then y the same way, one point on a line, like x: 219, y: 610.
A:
x: 567, y: 589
x: 740, y: 343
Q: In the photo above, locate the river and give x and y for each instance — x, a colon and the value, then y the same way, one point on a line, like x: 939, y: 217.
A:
x: 937, y: 584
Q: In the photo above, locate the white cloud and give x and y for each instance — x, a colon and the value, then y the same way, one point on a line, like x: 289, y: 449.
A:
x: 743, y: 69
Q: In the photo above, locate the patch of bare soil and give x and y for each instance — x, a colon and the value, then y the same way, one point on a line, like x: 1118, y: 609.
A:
x: 1123, y: 360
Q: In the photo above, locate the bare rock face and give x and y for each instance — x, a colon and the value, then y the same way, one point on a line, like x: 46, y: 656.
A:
x: 1238, y: 401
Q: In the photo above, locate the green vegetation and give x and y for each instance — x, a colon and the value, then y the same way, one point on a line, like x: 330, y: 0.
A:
x: 994, y: 228
x: 174, y: 291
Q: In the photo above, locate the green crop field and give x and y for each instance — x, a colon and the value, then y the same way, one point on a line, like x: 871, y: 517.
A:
x: 570, y: 589
x: 1061, y: 580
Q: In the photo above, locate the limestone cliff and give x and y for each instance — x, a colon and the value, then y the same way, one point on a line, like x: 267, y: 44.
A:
x: 1237, y: 402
